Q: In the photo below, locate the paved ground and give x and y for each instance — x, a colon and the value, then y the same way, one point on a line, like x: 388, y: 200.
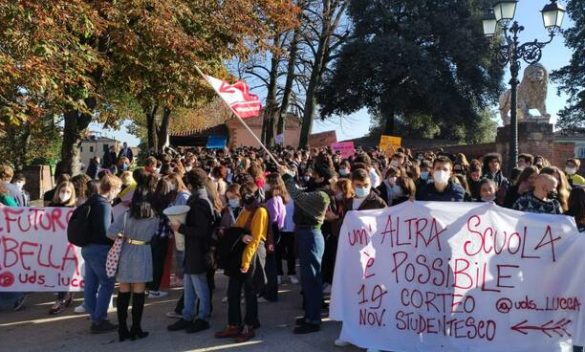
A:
x: 34, y: 330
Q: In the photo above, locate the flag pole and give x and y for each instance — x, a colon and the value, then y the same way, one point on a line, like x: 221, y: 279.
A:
x: 242, y: 121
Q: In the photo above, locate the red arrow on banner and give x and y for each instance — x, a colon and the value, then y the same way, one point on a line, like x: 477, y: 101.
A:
x: 546, y: 328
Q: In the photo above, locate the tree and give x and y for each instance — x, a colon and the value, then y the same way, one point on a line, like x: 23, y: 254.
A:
x: 321, y: 39
x: 407, y: 58
x: 571, y: 78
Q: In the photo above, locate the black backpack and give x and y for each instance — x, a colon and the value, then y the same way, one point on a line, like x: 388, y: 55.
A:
x: 78, y: 228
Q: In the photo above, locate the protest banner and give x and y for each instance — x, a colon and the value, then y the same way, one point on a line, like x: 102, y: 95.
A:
x: 35, y: 255
x: 345, y: 149
x: 425, y: 276
x: 389, y: 144
x: 322, y: 139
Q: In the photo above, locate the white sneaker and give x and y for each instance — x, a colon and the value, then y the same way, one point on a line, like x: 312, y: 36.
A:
x: 157, y: 294
x: 173, y: 314
x: 80, y: 309
x: 293, y: 280
x: 263, y: 300
x: 341, y: 343
x: 280, y: 279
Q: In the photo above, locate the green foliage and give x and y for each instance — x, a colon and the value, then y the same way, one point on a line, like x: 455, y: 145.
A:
x: 414, y: 59
x: 571, y: 78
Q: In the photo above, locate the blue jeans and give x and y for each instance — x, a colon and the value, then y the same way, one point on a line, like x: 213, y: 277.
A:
x: 311, y: 246
x: 8, y: 299
x: 196, y: 288
x: 98, y: 286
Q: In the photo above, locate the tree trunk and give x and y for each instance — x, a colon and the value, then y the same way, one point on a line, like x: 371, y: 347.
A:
x: 271, y: 103
x: 75, y: 124
x: 152, y: 142
x: 290, y: 77
x: 163, y: 131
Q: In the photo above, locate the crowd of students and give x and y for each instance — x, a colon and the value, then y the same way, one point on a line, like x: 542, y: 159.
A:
x: 285, y: 210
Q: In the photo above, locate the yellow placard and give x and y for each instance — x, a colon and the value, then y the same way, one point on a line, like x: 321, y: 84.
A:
x: 389, y: 144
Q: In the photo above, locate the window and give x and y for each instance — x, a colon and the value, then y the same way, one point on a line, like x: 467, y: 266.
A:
x: 580, y: 151
x: 91, y: 149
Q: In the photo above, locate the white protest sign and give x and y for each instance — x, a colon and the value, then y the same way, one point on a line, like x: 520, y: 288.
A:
x: 35, y: 255
x: 426, y: 276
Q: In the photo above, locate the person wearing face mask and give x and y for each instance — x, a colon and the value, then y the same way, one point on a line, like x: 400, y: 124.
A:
x: 389, y: 190
x: 442, y: 189
x: 64, y: 197
x: 311, y: 206
x: 539, y: 200
x: 98, y: 286
x: 365, y: 199
x: 198, y: 233
x: 344, y: 169
x: 254, y: 220
x: 571, y: 167
x: 492, y: 169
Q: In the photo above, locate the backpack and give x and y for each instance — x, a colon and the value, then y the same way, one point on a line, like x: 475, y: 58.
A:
x: 78, y: 227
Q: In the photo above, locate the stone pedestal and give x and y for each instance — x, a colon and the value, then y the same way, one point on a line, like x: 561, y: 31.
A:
x: 533, y: 138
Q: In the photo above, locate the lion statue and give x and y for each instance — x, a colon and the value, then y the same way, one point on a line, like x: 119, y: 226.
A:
x: 531, y: 95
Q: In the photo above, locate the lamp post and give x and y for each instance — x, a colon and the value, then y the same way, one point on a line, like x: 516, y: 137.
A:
x: 497, y: 23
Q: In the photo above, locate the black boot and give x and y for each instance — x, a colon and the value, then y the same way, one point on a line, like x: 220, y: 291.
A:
x: 137, y: 308
x: 122, y: 309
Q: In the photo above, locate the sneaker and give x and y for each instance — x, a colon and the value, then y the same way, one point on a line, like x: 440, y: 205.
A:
x: 341, y: 343
x: 19, y: 304
x: 58, y: 307
x: 198, y: 325
x: 246, y: 335
x: 263, y: 300
x: 179, y: 325
x: 306, y: 328
x: 79, y: 309
x: 293, y: 279
x: 157, y: 294
x: 103, y: 327
x: 231, y: 331
x: 173, y: 314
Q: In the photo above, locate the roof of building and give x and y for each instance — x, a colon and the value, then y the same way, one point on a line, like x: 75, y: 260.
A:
x: 93, y: 138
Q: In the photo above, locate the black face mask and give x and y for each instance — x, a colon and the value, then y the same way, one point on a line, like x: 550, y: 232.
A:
x: 248, y: 199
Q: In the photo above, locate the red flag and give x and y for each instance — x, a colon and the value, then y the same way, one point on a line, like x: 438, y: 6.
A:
x: 237, y: 96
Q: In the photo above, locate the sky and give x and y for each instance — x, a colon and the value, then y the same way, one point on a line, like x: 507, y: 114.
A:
x: 555, y: 55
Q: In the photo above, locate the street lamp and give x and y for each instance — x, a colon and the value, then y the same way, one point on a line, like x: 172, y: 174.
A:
x: 511, y: 51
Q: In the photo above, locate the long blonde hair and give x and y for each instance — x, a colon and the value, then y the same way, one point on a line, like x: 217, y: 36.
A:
x: 72, y: 200
x: 277, y: 188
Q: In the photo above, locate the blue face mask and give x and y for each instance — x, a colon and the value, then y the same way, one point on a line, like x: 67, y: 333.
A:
x: 362, y: 192
x: 424, y: 175
x: 234, y: 203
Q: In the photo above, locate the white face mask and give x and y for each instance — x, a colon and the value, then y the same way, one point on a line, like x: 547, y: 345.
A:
x: 20, y: 185
x: 396, y: 191
x: 441, y: 177
x: 267, y: 188
x: 188, y: 168
x: 395, y: 163
x: 570, y: 170
x: 392, y: 180
x: 64, y: 197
